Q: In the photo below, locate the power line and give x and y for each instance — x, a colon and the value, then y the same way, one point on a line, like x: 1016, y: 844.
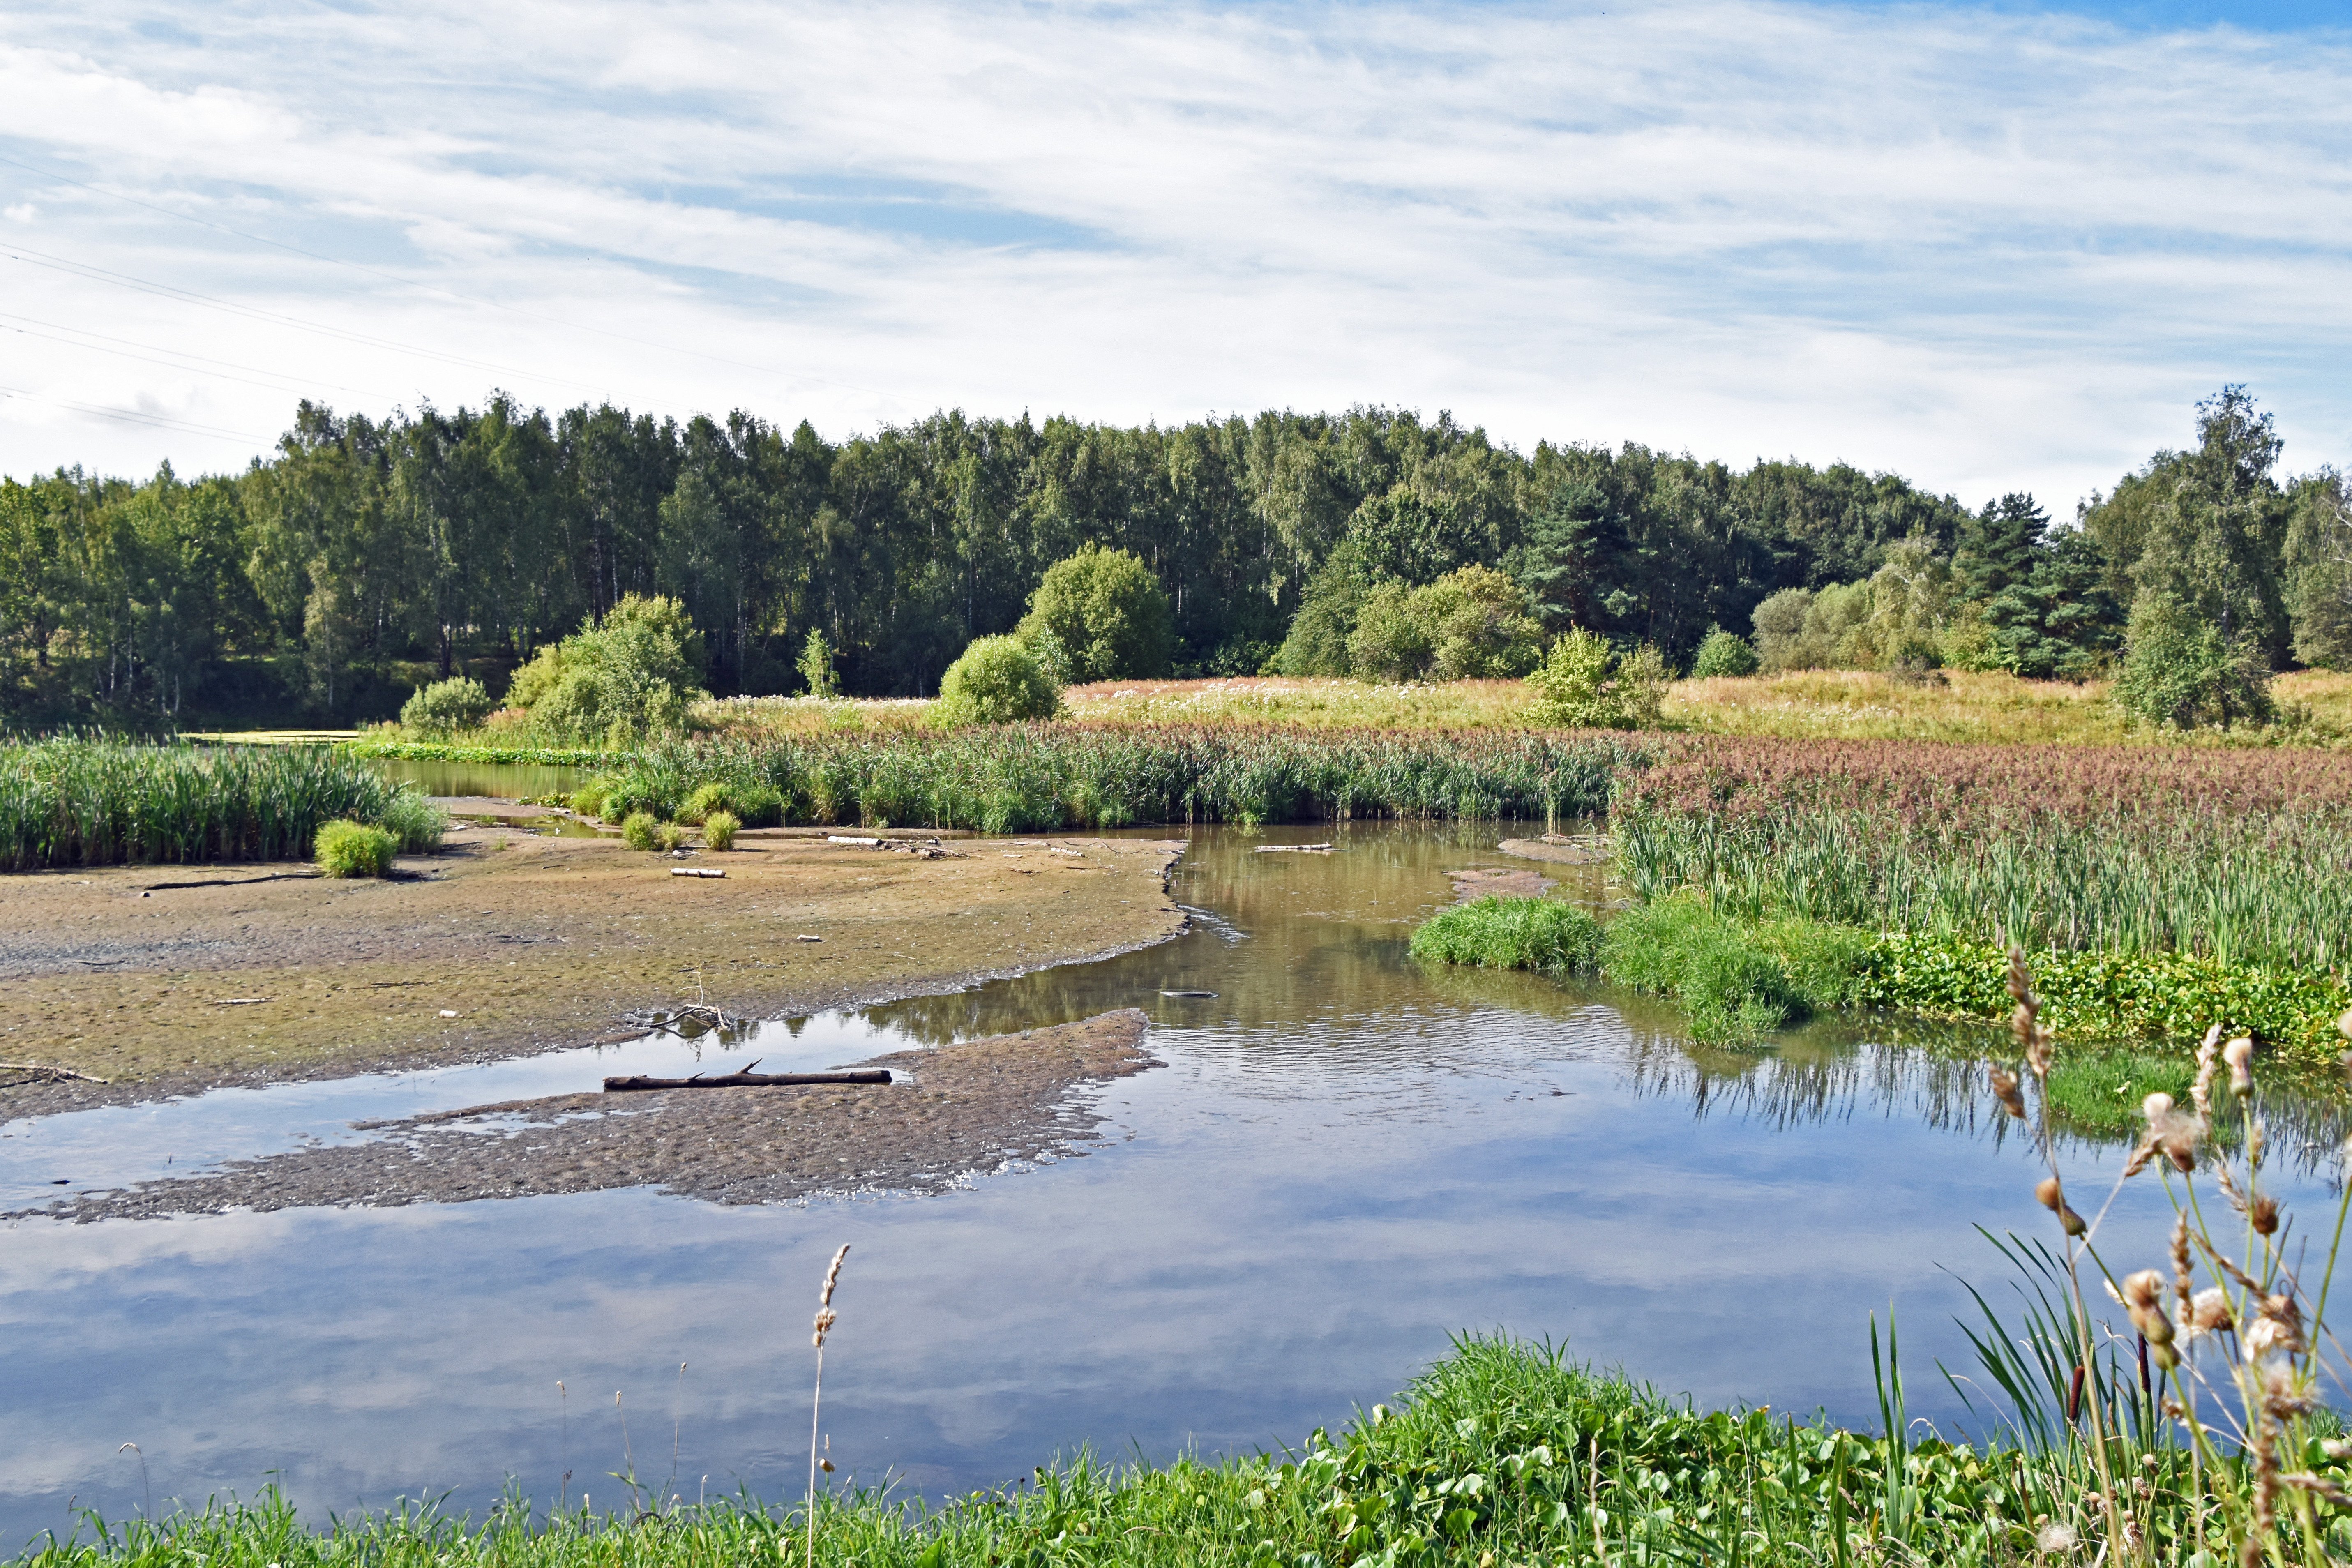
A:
x: 130, y: 416
x: 277, y: 385
x: 169, y: 291
x: 435, y: 288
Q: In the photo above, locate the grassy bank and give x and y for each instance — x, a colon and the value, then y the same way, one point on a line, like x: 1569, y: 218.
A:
x: 77, y: 802
x: 1502, y: 1453
x: 1740, y: 977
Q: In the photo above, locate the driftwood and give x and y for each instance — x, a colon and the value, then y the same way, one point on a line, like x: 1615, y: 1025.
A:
x: 694, y: 871
x: 1297, y: 848
x: 43, y: 1073
x: 746, y: 1078
x: 237, y: 882
x: 922, y: 849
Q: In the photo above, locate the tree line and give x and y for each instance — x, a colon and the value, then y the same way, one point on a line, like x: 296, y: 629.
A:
x: 365, y: 556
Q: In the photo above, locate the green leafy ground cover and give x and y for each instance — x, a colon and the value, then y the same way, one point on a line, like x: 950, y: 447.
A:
x: 1503, y: 1452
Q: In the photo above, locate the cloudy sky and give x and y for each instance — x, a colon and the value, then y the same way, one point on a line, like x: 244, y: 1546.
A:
x: 1990, y: 247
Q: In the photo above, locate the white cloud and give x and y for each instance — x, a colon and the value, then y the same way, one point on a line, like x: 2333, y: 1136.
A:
x: 1991, y: 250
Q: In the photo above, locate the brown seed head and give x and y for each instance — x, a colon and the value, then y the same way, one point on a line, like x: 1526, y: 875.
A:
x: 2050, y: 1194
x: 2209, y: 1312
x: 2263, y: 1213
x: 2209, y: 1057
x: 2143, y: 1289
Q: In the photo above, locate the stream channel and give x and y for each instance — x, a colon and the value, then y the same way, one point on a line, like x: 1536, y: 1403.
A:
x: 1345, y: 1161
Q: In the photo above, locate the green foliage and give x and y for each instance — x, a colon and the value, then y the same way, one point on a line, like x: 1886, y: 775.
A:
x: 1724, y: 653
x: 751, y: 804
x: 96, y: 802
x: 1502, y: 1452
x: 440, y: 709
x: 588, y: 800
x: 1583, y: 684
x: 997, y: 680
x: 2185, y: 671
x: 1544, y: 934
x: 415, y: 820
x: 640, y: 830
x: 619, y: 680
x: 816, y: 666
x: 1734, y: 986
x: 1108, y: 613
x: 386, y: 745
x: 355, y: 849
x: 719, y: 830
x: 1039, y: 777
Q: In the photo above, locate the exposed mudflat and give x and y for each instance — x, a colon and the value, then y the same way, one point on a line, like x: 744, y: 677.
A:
x: 954, y: 1112
x: 172, y: 979
x: 1498, y: 881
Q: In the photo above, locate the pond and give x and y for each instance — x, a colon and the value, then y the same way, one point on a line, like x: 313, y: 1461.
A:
x: 1344, y: 1161
x: 502, y: 781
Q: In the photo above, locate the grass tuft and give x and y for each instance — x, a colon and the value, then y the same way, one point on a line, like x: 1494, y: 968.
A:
x: 355, y: 849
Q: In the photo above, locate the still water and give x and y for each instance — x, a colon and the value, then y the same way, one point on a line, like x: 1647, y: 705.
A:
x: 1344, y: 1161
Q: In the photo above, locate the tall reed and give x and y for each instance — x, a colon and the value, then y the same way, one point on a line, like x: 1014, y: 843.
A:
x: 90, y: 801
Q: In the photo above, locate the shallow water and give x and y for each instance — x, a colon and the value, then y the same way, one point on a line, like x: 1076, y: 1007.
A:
x: 507, y: 780
x: 1344, y: 1161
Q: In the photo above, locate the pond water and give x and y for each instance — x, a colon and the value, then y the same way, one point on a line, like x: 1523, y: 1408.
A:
x: 1344, y: 1161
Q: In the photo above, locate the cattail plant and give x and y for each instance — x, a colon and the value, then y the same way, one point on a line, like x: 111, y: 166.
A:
x: 2229, y: 1327
x: 824, y: 1326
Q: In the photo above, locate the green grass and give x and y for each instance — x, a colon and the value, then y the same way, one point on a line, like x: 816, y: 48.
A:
x: 1503, y: 1452
x: 1543, y: 934
x: 95, y: 801
x: 355, y: 849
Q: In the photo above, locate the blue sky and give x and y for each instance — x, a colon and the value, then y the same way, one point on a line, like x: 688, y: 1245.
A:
x: 1990, y: 247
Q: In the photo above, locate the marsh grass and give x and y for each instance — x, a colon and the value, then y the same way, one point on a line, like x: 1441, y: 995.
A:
x: 90, y: 801
x: 355, y: 849
x: 1543, y: 934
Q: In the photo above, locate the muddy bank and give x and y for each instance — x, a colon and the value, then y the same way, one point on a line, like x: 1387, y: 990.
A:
x: 506, y: 943
x: 954, y: 1112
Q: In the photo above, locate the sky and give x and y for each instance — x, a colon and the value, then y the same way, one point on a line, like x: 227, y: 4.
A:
x: 1988, y: 246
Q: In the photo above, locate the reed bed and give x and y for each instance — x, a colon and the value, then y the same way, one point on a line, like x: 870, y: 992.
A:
x: 2242, y: 855
x: 1046, y: 777
x: 90, y: 801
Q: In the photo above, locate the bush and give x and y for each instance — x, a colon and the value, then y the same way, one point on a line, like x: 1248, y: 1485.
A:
x: 1108, y: 613
x: 1543, y: 934
x: 446, y: 707
x: 996, y: 680
x: 1583, y: 685
x: 719, y: 830
x: 640, y: 831
x: 588, y: 800
x: 416, y: 821
x: 617, y: 681
x: 355, y: 849
x: 816, y: 667
x: 1724, y: 653
x: 2180, y: 669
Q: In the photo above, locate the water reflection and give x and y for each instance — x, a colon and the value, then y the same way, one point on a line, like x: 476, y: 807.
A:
x: 1344, y: 1161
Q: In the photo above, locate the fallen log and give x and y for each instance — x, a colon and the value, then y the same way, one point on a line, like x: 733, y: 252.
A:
x: 746, y: 1080
x: 1295, y: 849
x: 694, y: 871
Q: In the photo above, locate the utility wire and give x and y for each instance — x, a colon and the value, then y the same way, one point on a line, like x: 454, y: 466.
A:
x: 159, y: 421
x: 169, y: 291
x: 276, y: 386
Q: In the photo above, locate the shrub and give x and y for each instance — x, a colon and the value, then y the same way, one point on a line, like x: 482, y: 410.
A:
x: 719, y: 830
x: 1110, y: 614
x: 446, y: 707
x: 640, y: 831
x: 588, y: 800
x: 669, y: 836
x: 415, y: 820
x: 355, y: 849
x: 1544, y: 934
x: 2180, y: 669
x: 1583, y: 685
x: 816, y: 666
x: 1724, y: 653
x: 616, y: 682
x: 996, y: 680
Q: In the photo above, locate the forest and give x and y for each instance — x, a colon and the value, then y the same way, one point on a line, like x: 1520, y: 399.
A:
x: 366, y: 556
